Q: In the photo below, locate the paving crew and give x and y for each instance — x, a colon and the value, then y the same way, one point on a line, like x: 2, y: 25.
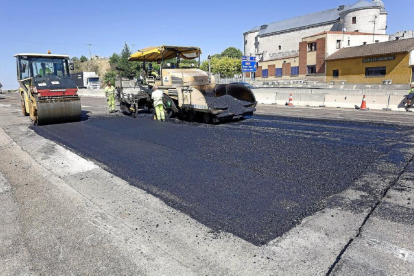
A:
x: 157, y: 98
x: 410, y: 95
x: 110, y: 97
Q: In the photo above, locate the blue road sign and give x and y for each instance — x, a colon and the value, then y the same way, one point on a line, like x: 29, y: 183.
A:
x: 248, y: 66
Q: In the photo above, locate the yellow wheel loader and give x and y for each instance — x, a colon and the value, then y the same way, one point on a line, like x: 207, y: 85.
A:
x: 191, y: 93
x: 47, y: 93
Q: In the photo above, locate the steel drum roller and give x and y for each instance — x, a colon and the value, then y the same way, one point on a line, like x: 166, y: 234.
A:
x: 58, y: 111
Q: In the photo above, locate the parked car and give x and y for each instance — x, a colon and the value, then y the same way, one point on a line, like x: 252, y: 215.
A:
x: 244, y: 83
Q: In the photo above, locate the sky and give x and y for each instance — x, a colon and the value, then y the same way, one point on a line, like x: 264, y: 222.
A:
x: 66, y: 27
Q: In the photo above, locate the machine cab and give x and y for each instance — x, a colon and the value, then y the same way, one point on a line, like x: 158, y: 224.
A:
x: 45, y: 73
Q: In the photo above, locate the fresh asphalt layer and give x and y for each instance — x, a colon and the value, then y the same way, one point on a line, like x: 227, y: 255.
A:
x: 256, y: 178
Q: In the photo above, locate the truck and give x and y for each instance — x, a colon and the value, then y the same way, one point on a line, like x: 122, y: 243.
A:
x: 86, y: 80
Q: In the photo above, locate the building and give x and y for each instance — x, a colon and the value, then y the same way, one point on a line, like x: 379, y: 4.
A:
x: 297, y: 47
x: 389, y: 62
x: 309, y: 61
x: 281, y: 39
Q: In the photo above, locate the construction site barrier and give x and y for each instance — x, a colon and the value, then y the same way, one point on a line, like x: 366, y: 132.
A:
x: 265, y: 97
x: 374, y: 102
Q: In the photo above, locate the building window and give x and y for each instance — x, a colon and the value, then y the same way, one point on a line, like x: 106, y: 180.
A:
x: 294, y: 71
x: 279, y: 72
x: 338, y: 44
x: 376, y: 41
x: 311, y: 69
x: 245, y: 42
x: 280, y: 47
x: 376, y: 71
x: 357, y: 31
x: 349, y: 42
x: 265, y: 73
x: 365, y: 43
x: 354, y: 21
x: 335, y: 74
x: 312, y: 47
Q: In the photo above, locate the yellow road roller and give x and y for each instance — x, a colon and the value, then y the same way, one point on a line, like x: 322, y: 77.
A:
x: 48, y: 94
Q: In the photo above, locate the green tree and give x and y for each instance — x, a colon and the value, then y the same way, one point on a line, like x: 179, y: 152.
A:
x: 232, y: 52
x: 113, y: 60
x: 124, y: 67
x: 110, y: 76
x: 83, y: 59
x: 224, y: 66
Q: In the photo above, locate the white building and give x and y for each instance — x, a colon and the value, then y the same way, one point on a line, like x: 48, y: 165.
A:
x: 281, y: 39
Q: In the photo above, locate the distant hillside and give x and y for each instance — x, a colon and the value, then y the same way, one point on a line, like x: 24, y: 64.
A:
x: 99, y: 66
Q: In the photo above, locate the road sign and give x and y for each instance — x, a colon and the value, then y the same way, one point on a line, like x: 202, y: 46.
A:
x: 248, y: 64
x: 246, y: 58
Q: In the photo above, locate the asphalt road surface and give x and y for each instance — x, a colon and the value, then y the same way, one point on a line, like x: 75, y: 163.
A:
x: 256, y: 178
x: 294, y: 191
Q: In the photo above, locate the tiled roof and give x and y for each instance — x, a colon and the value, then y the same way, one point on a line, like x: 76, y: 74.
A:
x: 255, y: 29
x: 377, y: 49
x: 361, y: 4
x: 318, y: 18
x: 315, y: 19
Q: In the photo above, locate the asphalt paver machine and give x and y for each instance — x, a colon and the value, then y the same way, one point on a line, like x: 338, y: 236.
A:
x: 189, y: 93
x: 48, y: 95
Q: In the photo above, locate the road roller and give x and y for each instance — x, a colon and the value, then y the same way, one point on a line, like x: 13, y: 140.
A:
x: 48, y: 94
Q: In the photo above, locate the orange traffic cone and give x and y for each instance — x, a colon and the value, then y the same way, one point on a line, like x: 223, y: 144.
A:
x: 290, y: 100
x: 364, y: 104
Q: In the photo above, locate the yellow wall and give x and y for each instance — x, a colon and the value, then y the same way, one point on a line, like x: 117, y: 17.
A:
x: 311, y: 58
x: 353, y: 70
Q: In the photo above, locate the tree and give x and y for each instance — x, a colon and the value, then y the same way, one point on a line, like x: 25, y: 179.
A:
x: 121, y: 64
x: 232, y: 52
x: 110, y: 76
x: 224, y: 66
x: 83, y: 59
x: 113, y: 61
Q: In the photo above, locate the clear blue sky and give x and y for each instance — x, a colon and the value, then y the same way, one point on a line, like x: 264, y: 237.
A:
x: 65, y: 27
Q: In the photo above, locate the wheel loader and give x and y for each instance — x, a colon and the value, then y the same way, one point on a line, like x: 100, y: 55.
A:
x: 47, y: 93
x: 189, y: 93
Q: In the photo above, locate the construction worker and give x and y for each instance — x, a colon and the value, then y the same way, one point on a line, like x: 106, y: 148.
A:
x: 44, y: 70
x: 157, y: 98
x: 410, y: 95
x: 110, y: 97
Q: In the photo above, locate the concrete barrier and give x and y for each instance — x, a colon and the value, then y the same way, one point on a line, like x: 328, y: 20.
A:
x: 99, y: 93
x: 265, y: 97
x: 343, y: 101
x: 313, y: 100
x: 397, y: 103
x: 283, y: 98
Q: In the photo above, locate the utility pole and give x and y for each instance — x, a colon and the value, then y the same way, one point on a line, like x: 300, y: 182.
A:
x: 90, y: 55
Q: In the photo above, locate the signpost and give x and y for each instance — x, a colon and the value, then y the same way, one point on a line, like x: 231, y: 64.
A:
x: 249, y: 65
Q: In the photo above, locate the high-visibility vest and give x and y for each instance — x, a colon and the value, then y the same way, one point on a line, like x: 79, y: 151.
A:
x: 109, y: 91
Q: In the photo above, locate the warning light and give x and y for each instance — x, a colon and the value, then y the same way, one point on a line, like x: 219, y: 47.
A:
x: 49, y: 52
